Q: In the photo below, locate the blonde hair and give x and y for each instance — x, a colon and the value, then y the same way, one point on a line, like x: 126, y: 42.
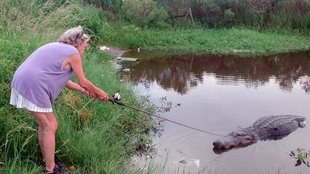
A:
x: 74, y: 36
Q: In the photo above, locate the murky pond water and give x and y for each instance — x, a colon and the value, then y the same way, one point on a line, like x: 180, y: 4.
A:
x: 221, y: 94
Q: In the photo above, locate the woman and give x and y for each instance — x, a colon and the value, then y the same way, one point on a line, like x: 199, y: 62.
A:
x: 41, y: 77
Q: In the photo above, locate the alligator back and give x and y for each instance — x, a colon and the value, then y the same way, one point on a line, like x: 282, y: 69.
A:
x: 275, y: 127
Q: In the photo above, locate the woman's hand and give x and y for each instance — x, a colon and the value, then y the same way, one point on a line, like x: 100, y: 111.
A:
x: 102, y: 96
x: 89, y: 94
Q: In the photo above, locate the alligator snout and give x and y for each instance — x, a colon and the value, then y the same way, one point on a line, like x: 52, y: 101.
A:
x: 224, y: 144
x: 218, y: 144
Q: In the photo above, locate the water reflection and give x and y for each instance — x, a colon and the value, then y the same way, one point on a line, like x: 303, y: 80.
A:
x: 305, y: 84
x: 181, y: 73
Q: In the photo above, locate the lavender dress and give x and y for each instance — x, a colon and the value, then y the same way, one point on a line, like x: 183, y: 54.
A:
x: 39, y: 79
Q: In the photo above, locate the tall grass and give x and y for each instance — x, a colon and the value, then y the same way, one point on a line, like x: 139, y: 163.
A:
x: 233, y: 41
x: 93, y: 136
x: 282, y: 20
x: 302, y: 23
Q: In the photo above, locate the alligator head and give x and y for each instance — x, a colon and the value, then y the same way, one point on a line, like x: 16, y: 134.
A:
x: 235, y: 138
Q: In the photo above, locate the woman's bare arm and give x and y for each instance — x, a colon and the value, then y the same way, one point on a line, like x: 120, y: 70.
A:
x: 74, y: 86
x: 76, y: 64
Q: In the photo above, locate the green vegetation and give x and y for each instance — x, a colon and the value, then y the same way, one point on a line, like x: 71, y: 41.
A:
x: 233, y: 41
x: 239, y: 27
x: 278, y: 14
x: 300, y: 155
x: 94, y: 136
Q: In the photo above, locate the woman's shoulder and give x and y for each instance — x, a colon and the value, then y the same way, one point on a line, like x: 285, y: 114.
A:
x: 59, y: 45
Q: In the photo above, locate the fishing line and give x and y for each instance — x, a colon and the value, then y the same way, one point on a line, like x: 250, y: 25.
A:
x: 114, y: 100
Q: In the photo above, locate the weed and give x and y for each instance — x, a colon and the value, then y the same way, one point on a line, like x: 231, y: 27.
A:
x: 300, y: 155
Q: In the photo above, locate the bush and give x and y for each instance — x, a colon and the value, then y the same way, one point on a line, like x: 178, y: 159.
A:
x: 229, y: 17
x: 144, y: 13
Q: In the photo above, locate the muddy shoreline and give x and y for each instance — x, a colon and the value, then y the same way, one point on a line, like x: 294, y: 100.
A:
x: 117, y: 52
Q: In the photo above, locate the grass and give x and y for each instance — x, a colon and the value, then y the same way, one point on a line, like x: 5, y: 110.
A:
x: 232, y: 41
x: 93, y: 136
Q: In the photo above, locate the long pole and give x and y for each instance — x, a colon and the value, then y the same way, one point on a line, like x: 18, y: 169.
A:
x: 190, y: 127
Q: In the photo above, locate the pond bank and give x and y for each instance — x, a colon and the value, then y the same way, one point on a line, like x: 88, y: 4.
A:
x: 116, y: 52
x: 233, y: 41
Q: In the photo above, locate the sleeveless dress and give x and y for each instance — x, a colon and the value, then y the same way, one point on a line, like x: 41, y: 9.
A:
x: 39, y: 79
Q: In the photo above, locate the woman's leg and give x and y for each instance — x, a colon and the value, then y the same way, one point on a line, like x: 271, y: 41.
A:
x: 40, y: 137
x: 46, y: 135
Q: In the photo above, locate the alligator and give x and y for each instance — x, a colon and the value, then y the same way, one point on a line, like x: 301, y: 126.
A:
x: 266, y: 128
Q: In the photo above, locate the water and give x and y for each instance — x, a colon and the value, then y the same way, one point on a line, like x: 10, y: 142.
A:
x: 220, y: 94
